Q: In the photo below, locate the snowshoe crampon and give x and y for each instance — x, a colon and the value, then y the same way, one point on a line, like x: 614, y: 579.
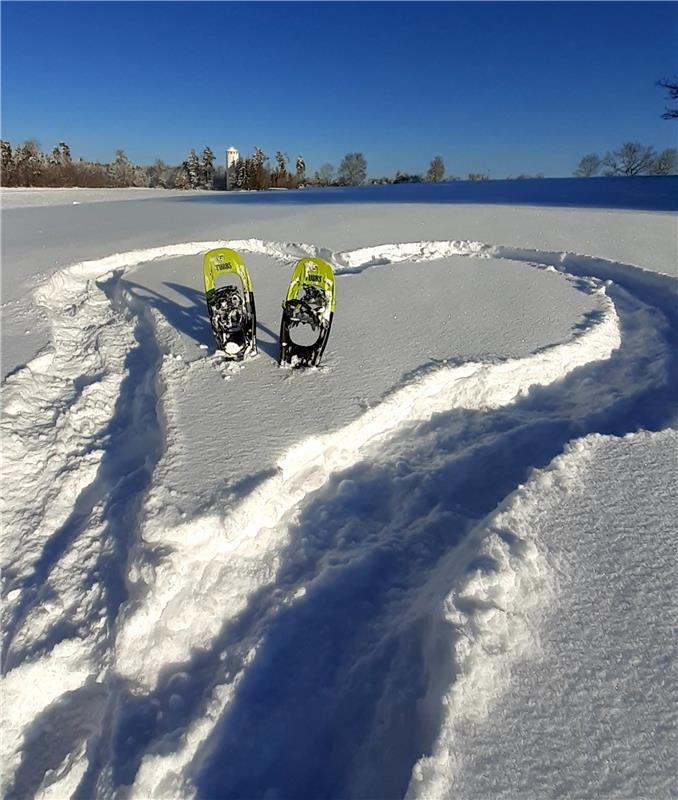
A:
x: 230, y: 307
x: 308, y: 310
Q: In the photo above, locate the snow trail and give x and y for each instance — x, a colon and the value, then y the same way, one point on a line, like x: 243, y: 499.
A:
x: 250, y: 575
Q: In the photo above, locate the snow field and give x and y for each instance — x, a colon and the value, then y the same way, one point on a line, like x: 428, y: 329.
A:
x: 30, y: 198
x: 197, y: 575
x: 207, y: 582
x: 612, y: 728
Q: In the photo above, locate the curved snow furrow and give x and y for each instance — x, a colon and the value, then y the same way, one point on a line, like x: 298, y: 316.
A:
x: 60, y: 629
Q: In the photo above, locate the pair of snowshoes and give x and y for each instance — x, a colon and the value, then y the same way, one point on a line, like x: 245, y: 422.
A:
x: 307, y: 315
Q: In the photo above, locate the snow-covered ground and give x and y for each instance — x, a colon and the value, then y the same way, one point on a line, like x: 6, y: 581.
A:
x: 30, y: 198
x: 440, y: 565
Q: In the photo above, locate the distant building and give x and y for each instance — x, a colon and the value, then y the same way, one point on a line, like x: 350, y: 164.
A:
x: 232, y: 156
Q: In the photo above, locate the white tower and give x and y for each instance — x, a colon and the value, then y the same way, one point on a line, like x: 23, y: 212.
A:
x: 232, y: 156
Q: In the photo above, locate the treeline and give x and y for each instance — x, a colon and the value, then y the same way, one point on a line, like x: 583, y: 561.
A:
x: 256, y: 172
x: 631, y: 159
x: 27, y: 165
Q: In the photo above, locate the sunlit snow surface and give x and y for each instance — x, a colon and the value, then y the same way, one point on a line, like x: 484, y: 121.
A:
x: 441, y: 565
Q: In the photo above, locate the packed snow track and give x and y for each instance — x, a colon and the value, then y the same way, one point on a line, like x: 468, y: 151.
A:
x: 231, y: 580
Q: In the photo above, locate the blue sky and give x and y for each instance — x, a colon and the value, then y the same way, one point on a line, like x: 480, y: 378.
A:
x: 501, y: 87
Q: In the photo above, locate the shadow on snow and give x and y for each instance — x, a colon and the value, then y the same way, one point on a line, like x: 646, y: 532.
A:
x: 191, y: 319
x: 657, y: 193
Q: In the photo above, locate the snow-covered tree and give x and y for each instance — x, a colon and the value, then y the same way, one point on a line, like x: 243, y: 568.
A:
x: 258, y: 173
x: 29, y: 163
x: 207, y: 168
x: 159, y: 174
x: 352, y: 170
x: 300, y: 169
x: 436, y: 170
x: 588, y: 166
x: 240, y: 173
x: 64, y: 152
x: 6, y: 164
x: 121, y: 171
x: 181, y: 179
x: 192, y: 168
x: 279, y: 174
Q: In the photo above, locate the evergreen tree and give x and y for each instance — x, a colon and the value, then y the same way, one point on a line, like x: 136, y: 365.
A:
x: 258, y: 174
x: 64, y: 153
x: 192, y: 169
x: 207, y: 168
x: 121, y: 171
x: 280, y: 172
x: 28, y: 164
x: 181, y: 179
x: 6, y: 164
x: 301, y: 169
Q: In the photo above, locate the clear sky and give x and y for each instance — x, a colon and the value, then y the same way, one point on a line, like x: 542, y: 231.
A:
x: 500, y: 87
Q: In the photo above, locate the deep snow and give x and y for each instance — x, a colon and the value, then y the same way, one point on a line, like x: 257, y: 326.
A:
x: 370, y: 579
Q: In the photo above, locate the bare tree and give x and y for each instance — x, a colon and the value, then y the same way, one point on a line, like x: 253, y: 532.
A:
x: 588, y: 166
x: 666, y: 163
x: 632, y: 158
x: 325, y: 174
x: 436, y: 170
x: 352, y: 170
x: 671, y: 87
x: 159, y: 174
